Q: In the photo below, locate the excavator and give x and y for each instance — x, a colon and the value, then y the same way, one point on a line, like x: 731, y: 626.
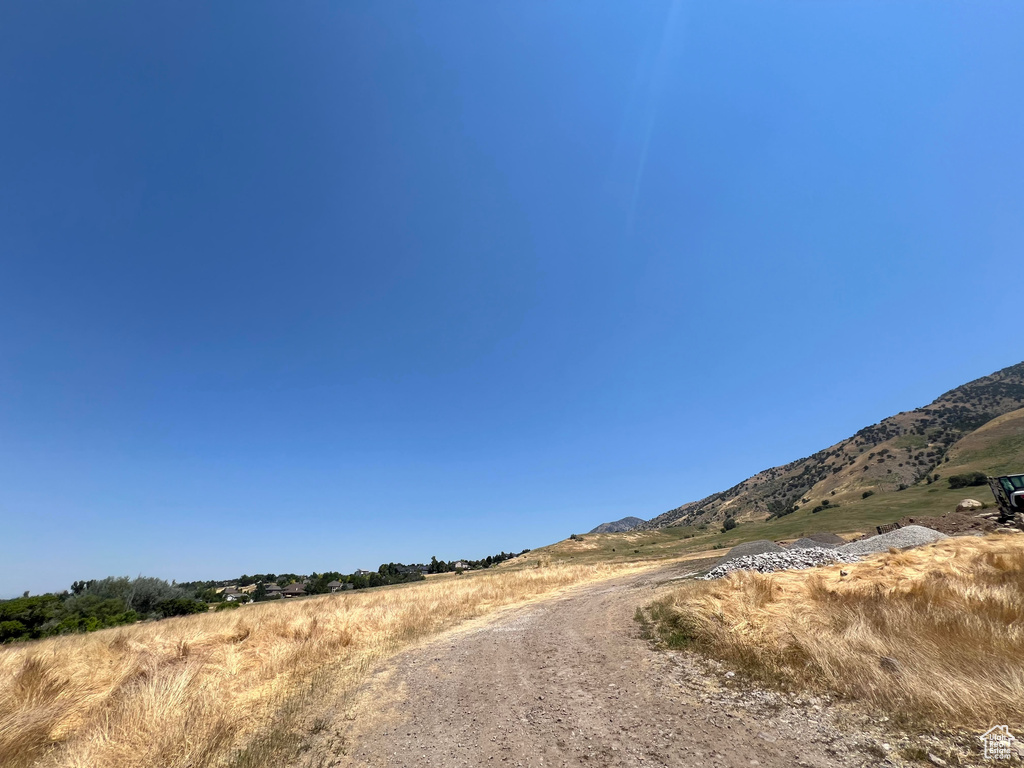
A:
x: 1009, y: 493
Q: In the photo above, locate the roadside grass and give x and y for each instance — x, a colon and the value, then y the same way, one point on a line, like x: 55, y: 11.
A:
x: 242, y: 688
x: 930, y: 635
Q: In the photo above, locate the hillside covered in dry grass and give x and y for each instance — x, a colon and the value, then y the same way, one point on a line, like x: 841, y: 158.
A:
x: 932, y: 634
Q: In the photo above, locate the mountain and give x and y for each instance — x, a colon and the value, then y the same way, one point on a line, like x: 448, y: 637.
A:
x: 625, y: 524
x: 972, y: 426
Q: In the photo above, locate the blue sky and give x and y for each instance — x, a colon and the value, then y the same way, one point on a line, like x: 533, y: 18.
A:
x: 297, y: 287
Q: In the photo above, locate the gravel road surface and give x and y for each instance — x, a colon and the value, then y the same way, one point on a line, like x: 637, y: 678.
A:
x: 569, y: 682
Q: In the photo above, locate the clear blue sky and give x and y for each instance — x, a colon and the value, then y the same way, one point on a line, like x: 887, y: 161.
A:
x: 313, y: 286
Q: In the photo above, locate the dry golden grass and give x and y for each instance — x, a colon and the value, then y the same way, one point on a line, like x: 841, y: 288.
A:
x: 951, y: 615
x: 230, y: 688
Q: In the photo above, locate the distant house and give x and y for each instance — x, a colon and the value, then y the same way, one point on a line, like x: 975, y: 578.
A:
x: 334, y: 586
x: 462, y: 566
x: 294, y: 590
x: 361, y: 572
x: 232, y: 595
x: 273, y: 590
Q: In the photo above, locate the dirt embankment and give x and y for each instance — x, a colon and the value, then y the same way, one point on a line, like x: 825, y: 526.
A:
x: 569, y: 682
x: 957, y: 523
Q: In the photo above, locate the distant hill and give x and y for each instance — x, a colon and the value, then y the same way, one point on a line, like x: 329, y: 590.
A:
x: 625, y: 524
x: 971, y: 427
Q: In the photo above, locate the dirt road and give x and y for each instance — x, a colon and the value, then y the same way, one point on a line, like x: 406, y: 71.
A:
x: 569, y: 682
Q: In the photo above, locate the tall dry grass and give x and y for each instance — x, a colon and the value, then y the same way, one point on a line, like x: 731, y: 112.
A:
x: 230, y: 688
x: 932, y: 634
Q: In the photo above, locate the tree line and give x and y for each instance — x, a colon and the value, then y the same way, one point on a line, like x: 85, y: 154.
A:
x: 92, y: 605
x: 440, y: 566
x: 118, y: 600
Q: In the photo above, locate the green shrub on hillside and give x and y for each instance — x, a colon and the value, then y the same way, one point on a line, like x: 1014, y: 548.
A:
x: 181, y: 606
x: 967, y: 479
x: 12, y: 630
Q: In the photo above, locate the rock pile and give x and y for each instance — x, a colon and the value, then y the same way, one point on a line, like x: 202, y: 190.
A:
x: 766, y: 556
x: 909, y: 536
x: 750, y: 548
x: 790, y: 559
x: 808, y: 543
x: 825, y: 538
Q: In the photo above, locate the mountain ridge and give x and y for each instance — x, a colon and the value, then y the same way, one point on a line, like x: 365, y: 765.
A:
x: 619, y: 526
x: 897, y: 452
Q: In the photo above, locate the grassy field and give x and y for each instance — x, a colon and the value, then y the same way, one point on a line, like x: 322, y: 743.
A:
x: 632, y: 546
x: 850, y: 517
x: 673, y: 543
x: 931, y: 635
x: 232, y: 688
x: 997, y: 448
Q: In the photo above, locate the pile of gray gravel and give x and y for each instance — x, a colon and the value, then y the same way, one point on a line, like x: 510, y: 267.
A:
x: 826, y: 538
x: 750, y: 548
x: 809, y: 544
x: 784, y: 560
x: 765, y: 556
x: 910, y: 536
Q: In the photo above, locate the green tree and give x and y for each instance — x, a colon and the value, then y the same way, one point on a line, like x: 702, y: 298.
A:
x: 36, y: 616
x: 181, y: 606
x: 968, y: 479
x: 12, y: 630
